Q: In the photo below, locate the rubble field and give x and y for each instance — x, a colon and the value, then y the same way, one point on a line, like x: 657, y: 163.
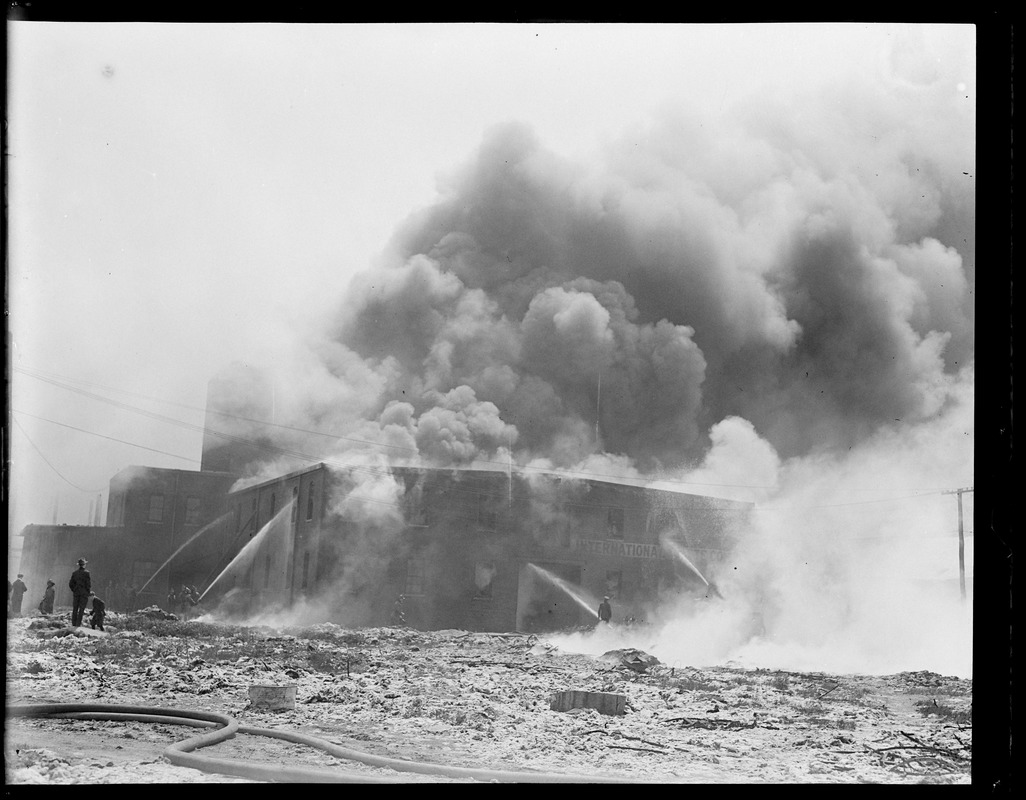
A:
x: 481, y: 700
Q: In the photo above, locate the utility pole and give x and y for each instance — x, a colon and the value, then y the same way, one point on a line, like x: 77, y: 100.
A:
x: 961, y: 539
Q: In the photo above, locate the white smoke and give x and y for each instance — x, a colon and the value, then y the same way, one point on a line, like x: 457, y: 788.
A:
x: 850, y: 565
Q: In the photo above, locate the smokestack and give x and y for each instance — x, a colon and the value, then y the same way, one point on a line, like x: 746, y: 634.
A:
x: 99, y: 503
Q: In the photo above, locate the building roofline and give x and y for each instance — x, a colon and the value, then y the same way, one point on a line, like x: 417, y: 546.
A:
x: 280, y: 479
x: 167, y: 470
x: 63, y: 526
x: 521, y: 472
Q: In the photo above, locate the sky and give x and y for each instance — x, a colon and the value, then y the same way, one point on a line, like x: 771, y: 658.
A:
x: 736, y: 258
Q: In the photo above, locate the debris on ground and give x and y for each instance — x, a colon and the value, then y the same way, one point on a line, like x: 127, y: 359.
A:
x: 637, y: 660
x: 467, y: 699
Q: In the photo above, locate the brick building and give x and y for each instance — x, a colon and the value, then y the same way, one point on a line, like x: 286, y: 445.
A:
x: 151, y: 513
x: 468, y: 549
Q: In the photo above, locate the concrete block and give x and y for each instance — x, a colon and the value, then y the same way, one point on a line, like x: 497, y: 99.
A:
x: 603, y: 702
x: 273, y: 698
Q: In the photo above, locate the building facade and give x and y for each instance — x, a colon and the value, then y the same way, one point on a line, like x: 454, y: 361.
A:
x: 51, y: 552
x: 469, y: 549
x: 466, y: 549
x: 156, y: 537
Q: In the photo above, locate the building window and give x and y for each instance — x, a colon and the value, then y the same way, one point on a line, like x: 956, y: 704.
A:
x: 267, y: 572
x: 614, y: 580
x: 487, y: 519
x: 306, y: 569
x: 484, y: 574
x: 414, y: 583
x: 273, y: 501
x: 254, y: 517
x: 156, y: 508
x: 663, y: 522
x: 614, y: 523
x: 295, y: 503
x: 192, y: 510
x: 116, y: 510
x: 310, y: 503
x: 416, y: 513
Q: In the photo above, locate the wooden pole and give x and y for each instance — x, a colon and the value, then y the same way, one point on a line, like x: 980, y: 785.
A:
x: 961, y: 541
x: 961, y: 550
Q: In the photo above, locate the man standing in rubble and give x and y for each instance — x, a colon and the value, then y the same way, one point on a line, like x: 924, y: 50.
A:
x: 81, y: 585
x: 605, y: 611
x: 18, y: 589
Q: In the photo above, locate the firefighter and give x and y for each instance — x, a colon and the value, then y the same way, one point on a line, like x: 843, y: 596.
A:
x: 398, y: 612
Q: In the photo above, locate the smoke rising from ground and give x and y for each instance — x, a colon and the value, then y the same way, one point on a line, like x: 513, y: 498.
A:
x: 849, y: 566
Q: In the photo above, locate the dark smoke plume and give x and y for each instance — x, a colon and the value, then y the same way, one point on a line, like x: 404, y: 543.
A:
x: 567, y: 310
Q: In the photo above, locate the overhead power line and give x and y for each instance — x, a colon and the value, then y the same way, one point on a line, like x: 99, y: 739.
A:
x: 50, y: 465
x: 103, y: 436
x: 293, y: 454
x: 387, y: 473
x: 303, y: 457
x: 925, y: 493
x: 65, y: 384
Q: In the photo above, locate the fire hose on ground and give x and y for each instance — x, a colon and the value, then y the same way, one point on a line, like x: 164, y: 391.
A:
x: 182, y: 753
